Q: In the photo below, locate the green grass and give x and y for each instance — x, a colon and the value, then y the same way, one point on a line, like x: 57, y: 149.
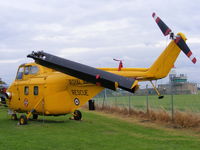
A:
x: 94, y: 132
x: 181, y: 102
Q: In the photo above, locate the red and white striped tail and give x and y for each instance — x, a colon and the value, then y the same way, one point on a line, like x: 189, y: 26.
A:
x: 191, y: 57
x: 163, y: 27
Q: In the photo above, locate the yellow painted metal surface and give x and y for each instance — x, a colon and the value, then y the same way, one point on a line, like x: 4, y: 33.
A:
x: 159, y: 69
x: 61, y: 94
x: 58, y: 91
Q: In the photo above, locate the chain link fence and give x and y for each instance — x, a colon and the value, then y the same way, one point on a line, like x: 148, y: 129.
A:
x: 171, y: 102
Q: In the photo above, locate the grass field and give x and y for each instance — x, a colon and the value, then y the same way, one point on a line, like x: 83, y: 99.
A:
x: 181, y: 102
x: 96, y: 131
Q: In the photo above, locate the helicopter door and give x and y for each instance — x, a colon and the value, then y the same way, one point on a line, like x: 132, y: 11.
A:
x: 19, y: 79
x: 22, y: 87
x: 37, y: 91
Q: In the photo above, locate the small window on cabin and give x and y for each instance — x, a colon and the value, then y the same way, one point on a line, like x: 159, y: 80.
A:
x: 26, y: 90
x: 26, y: 70
x: 20, y: 73
x: 36, y: 90
x: 33, y: 69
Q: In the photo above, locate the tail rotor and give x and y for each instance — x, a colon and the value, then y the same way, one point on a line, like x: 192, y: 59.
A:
x: 179, y: 39
x: 163, y: 27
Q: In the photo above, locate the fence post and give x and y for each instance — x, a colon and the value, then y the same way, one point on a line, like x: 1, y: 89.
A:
x: 172, y: 102
x: 115, y: 101
x: 129, y: 104
x: 104, y: 98
x: 147, y: 99
x: 172, y: 105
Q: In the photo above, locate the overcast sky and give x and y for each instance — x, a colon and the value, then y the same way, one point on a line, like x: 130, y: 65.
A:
x: 94, y: 32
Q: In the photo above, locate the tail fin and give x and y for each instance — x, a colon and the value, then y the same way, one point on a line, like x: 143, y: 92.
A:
x: 164, y: 62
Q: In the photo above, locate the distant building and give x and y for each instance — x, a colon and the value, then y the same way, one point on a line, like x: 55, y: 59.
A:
x: 178, y: 84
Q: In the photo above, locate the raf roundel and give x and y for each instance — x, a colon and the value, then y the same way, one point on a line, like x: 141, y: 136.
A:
x: 76, y: 101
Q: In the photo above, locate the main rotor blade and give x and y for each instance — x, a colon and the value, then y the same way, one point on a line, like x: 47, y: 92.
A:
x: 163, y: 27
x: 183, y: 46
x: 84, y: 72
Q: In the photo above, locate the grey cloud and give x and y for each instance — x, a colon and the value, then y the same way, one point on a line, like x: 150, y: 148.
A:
x: 106, y: 29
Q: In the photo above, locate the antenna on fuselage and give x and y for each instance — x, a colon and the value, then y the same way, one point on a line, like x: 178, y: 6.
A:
x: 120, y: 63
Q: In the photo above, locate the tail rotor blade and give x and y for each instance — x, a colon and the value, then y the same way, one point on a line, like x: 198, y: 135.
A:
x: 163, y: 27
x: 183, y: 46
x: 179, y: 39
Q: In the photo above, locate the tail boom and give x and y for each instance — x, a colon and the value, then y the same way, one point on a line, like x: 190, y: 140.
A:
x: 159, y: 69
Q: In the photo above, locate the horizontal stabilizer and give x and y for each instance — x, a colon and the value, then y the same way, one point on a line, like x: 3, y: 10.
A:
x: 84, y: 72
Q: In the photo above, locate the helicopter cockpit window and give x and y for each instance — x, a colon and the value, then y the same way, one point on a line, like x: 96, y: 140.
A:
x: 36, y: 91
x: 26, y: 91
x: 26, y: 70
x: 33, y: 69
x: 30, y: 70
x: 20, y: 73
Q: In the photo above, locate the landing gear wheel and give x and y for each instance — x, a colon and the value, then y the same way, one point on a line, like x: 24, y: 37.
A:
x: 161, y: 97
x: 14, y: 117
x: 23, y: 120
x: 77, y: 115
x: 35, y: 116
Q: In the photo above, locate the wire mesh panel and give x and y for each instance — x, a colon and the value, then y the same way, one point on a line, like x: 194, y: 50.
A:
x: 177, y: 102
x: 189, y: 103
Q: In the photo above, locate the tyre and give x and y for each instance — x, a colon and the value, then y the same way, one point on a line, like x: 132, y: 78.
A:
x: 14, y: 117
x: 77, y: 115
x: 35, y: 116
x: 23, y: 120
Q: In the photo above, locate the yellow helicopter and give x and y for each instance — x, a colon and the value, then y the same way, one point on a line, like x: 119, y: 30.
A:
x: 57, y: 86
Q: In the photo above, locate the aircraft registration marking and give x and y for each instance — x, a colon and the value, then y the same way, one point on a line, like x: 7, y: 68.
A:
x: 75, y: 82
